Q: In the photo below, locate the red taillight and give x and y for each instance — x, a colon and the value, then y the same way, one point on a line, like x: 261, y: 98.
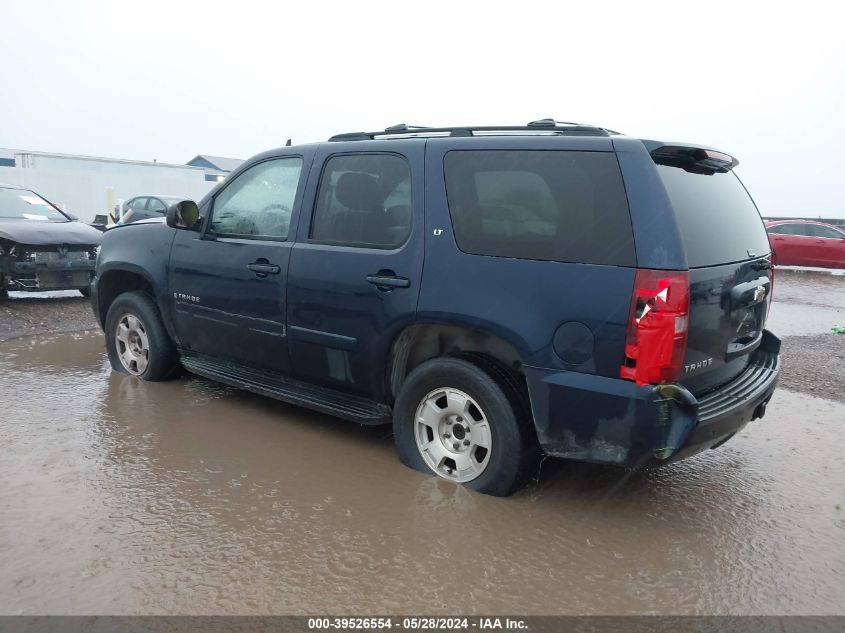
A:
x: 657, y: 327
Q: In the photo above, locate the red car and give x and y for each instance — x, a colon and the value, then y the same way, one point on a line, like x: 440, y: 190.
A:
x: 807, y: 243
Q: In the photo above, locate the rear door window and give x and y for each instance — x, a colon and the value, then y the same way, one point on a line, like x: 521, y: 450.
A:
x: 827, y: 232
x: 564, y: 206
x: 719, y: 222
x: 364, y: 200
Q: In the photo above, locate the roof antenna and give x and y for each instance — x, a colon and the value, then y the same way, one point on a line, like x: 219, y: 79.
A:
x: 288, y: 143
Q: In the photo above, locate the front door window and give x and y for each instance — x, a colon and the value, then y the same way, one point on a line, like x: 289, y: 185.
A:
x: 259, y: 202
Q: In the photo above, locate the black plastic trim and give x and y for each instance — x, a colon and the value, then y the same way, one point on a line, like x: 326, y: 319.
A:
x: 318, y: 337
x: 757, y: 378
x: 330, y: 401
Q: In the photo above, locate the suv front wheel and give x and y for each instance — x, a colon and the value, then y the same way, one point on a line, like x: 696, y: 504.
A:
x: 136, y: 339
x: 466, y: 422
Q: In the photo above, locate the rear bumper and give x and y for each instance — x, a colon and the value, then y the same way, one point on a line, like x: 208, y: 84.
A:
x: 608, y: 420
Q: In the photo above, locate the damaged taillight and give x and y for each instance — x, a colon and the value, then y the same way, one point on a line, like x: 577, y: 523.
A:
x: 657, y: 327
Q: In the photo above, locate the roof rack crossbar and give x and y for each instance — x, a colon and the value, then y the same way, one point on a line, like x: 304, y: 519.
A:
x: 542, y: 126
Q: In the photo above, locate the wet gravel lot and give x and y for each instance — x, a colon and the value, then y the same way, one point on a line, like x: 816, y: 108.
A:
x: 118, y: 496
x: 34, y: 313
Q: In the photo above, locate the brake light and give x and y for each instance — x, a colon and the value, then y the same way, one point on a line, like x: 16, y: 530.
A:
x: 718, y: 156
x: 657, y: 327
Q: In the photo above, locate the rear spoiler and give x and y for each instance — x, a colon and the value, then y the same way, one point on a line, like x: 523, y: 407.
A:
x: 692, y: 158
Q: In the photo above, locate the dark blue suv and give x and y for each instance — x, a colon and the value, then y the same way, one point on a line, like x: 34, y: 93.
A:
x: 494, y: 293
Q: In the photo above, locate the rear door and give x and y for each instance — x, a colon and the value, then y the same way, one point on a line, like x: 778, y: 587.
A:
x: 728, y: 253
x: 830, y: 246
x: 802, y: 245
x: 356, y: 267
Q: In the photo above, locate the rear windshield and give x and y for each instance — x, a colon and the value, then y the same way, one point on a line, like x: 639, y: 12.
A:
x: 561, y: 206
x: 719, y: 222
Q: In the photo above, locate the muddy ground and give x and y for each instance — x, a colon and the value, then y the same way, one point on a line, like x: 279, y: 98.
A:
x: 118, y: 496
x: 806, y: 308
x: 36, y: 313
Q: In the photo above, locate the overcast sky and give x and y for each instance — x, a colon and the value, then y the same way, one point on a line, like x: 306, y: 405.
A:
x: 169, y: 80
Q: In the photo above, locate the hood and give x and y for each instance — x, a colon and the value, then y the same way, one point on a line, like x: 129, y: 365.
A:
x: 45, y: 233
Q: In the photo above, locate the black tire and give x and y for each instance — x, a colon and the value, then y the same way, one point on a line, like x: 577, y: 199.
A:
x: 162, y: 359
x: 85, y: 292
x: 4, y: 292
x: 514, y: 454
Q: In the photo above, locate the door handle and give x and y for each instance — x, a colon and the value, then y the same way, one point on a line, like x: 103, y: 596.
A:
x: 388, y: 280
x: 262, y: 268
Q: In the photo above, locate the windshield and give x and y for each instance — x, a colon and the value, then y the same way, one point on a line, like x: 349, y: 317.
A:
x: 21, y: 204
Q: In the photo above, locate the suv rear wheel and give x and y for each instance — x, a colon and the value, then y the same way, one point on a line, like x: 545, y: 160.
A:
x: 466, y: 422
x: 136, y: 339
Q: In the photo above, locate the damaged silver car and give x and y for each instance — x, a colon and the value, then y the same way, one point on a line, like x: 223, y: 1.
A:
x: 42, y: 247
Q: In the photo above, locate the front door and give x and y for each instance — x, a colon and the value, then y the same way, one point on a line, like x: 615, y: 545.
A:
x: 228, y: 282
x: 356, y: 267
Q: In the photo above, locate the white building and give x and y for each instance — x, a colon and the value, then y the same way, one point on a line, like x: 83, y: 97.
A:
x: 89, y: 186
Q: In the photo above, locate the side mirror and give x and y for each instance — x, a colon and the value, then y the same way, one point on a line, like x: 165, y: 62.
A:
x: 183, y: 215
x: 73, y: 217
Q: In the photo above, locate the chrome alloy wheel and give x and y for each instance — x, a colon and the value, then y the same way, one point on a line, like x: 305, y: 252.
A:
x: 453, y: 435
x: 133, y: 346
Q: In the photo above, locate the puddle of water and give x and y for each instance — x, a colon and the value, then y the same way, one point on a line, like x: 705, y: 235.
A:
x: 795, y: 319
x: 809, y: 288
x: 838, y: 272
x: 806, y: 303
x: 118, y: 496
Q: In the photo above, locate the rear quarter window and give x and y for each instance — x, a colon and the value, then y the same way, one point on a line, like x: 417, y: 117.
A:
x: 564, y: 206
x: 718, y: 220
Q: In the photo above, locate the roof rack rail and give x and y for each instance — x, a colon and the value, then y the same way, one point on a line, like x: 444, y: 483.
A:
x: 539, y: 126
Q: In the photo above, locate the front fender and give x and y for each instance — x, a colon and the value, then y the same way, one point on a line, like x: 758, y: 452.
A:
x: 143, y: 251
